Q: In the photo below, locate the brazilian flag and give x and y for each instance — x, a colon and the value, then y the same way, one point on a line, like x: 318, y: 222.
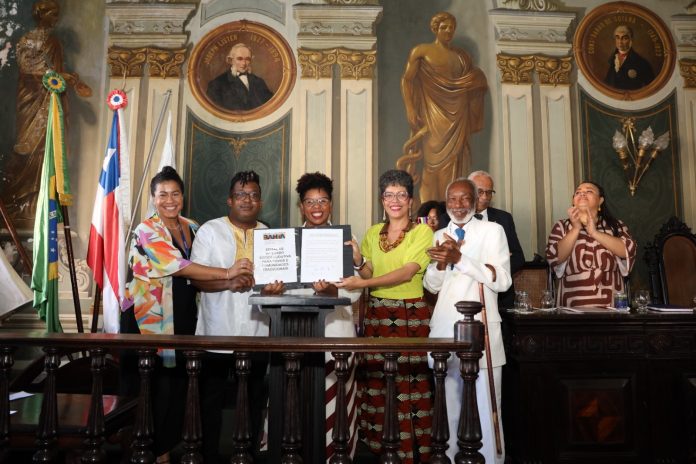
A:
x: 55, y: 190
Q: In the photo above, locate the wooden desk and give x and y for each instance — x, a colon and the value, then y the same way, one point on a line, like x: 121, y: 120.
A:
x: 73, y: 411
x: 600, y: 388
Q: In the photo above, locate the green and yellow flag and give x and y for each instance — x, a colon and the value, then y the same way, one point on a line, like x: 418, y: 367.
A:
x: 55, y: 187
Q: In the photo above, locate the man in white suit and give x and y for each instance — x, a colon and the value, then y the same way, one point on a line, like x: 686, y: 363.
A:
x: 466, y: 252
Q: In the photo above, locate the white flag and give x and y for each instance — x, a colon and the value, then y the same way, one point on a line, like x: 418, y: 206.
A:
x: 166, y: 159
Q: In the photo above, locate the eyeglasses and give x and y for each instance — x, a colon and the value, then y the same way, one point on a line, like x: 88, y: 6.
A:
x: 241, y: 195
x: 390, y: 196
x: 488, y: 193
x: 309, y: 202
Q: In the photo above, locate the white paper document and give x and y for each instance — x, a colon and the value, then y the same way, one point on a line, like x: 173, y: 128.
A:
x: 322, y: 255
x: 587, y: 310
x: 275, y: 257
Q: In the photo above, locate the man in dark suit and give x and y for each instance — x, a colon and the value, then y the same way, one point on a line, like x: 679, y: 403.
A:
x: 237, y: 89
x: 627, y: 69
x: 484, y: 184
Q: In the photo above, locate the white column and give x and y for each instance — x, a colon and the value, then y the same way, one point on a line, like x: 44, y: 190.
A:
x: 518, y: 154
x: 337, y: 104
x: 684, y: 27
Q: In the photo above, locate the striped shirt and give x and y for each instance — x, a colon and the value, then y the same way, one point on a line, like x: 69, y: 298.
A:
x: 592, y: 273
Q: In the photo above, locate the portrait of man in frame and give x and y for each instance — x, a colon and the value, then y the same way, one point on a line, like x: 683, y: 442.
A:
x: 242, y: 71
x: 625, y: 50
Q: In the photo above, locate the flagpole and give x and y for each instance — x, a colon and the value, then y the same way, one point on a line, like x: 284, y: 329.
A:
x: 155, y: 135
x: 15, y: 238
x: 71, y: 268
x: 95, y: 309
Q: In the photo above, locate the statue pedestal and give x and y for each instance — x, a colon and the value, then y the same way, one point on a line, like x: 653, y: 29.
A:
x: 298, y: 316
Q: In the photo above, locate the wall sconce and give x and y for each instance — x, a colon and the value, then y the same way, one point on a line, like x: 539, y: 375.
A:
x: 625, y: 146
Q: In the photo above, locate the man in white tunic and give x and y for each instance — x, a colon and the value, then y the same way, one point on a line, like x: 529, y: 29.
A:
x: 224, y: 309
x: 461, y: 261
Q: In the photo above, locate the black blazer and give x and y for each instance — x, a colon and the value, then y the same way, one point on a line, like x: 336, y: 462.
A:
x: 229, y: 92
x: 634, y: 73
x: 507, y: 298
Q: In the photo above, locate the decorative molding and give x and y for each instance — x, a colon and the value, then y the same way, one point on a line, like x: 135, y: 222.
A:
x: 82, y: 271
x: 357, y: 64
x: 135, y: 25
x: 162, y: 62
x: 529, y: 31
x: 515, y: 69
x: 553, y: 70
x: 684, y: 33
x: 316, y: 64
x: 165, y: 62
x: 127, y: 62
x: 352, y: 2
x: 550, y: 346
x: 534, y: 5
x: 237, y: 144
x: 352, y: 25
x: 687, y: 69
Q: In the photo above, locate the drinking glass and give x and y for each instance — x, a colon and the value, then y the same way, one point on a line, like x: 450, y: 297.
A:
x: 547, y: 301
x: 641, y: 300
x: 523, y: 305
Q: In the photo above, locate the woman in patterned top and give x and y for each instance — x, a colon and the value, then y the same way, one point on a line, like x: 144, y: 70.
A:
x: 591, y: 251
x: 161, y: 300
x: 393, y: 263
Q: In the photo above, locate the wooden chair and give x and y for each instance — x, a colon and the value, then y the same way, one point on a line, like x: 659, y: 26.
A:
x: 534, y: 278
x: 671, y: 259
x: 73, y: 384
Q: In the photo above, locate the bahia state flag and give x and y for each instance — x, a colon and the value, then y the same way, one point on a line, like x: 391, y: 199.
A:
x: 106, y: 254
x: 55, y: 188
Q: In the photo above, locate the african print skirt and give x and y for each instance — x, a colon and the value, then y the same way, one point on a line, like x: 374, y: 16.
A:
x: 398, y: 318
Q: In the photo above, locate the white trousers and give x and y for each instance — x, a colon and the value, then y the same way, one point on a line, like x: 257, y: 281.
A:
x: 453, y: 392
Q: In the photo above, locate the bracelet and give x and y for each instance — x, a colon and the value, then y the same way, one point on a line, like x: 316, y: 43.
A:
x: 227, y: 274
x: 361, y: 265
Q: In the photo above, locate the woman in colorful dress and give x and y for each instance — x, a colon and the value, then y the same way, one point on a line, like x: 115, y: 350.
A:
x: 591, y: 251
x: 161, y: 300
x: 393, y: 263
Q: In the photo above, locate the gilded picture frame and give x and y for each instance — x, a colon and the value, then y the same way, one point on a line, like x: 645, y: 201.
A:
x: 625, y: 75
x: 272, y: 63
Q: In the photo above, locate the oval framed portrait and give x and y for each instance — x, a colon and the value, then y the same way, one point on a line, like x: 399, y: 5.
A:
x: 241, y: 71
x: 625, y: 50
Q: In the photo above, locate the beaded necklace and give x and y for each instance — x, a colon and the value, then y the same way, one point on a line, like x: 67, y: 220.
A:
x: 384, y: 244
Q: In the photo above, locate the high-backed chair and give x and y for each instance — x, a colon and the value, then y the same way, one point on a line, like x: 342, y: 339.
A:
x: 671, y: 259
x: 534, y: 278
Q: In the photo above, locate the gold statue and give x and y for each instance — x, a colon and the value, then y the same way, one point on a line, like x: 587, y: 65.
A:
x: 37, y: 52
x: 443, y: 93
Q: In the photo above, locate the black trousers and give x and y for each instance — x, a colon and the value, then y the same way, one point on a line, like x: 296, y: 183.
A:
x: 217, y: 374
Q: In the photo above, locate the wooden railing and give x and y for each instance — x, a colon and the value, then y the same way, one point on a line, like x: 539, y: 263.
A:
x: 468, y: 347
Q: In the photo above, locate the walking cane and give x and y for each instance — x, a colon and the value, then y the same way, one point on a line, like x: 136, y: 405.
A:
x: 489, y: 365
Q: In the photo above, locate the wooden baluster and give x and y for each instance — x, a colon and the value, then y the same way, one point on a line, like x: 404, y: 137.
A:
x: 291, y: 443
x: 390, y: 435
x: 6, y: 363
x: 469, y: 429
x: 341, y: 432
x: 143, y: 428
x: 241, y: 427
x: 441, y: 432
x: 46, y: 435
x: 94, y: 452
x: 192, y: 418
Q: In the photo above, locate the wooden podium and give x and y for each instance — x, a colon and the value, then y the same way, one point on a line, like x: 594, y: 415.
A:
x: 298, y: 316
